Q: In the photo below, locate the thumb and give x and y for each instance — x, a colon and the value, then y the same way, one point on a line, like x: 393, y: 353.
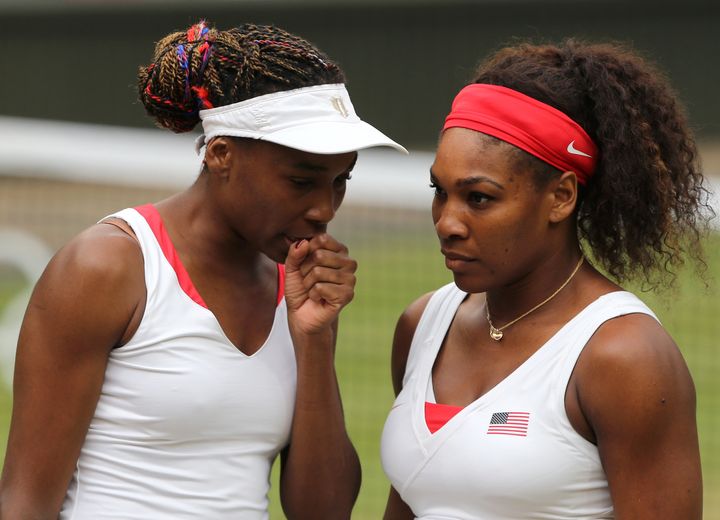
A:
x: 296, y: 254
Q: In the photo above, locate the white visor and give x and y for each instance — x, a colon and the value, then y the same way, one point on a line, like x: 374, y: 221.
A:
x: 317, y: 119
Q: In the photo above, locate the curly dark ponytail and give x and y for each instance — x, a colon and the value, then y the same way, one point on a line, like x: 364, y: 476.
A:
x: 646, y: 204
x: 204, y: 68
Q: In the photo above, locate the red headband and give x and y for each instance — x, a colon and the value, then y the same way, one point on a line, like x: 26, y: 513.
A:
x: 525, y: 122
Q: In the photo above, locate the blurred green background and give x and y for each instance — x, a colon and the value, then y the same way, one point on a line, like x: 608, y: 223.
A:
x: 76, y: 61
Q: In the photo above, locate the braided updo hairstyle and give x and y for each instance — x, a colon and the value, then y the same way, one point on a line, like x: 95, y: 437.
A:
x: 646, y: 205
x: 205, y: 68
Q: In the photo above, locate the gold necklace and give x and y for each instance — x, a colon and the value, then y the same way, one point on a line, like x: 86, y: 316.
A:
x: 496, y: 333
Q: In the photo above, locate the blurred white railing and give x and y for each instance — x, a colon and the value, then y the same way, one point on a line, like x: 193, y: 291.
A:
x: 158, y: 158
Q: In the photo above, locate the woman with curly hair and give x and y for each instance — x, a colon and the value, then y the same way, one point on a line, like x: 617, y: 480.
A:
x: 170, y: 352
x: 534, y: 386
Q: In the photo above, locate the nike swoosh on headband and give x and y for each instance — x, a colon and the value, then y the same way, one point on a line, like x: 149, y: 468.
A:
x: 571, y: 149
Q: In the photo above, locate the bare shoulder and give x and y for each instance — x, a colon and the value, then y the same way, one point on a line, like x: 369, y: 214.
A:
x: 632, y: 381
x: 96, y: 282
x: 408, y: 321
x: 120, y: 224
x: 633, y: 356
x: 103, y: 258
x: 404, y: 332
x: 633, y: 343
x: 103, y: 247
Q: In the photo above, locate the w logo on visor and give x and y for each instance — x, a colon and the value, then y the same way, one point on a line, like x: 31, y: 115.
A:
x: 339, y: 106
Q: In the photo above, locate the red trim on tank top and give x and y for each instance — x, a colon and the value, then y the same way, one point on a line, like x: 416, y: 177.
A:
x: 150, y: 213
x: 152, y: 216
x: 281, y: 283
x: 437, y: 415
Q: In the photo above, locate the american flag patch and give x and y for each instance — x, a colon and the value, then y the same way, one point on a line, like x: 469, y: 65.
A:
x: 509, y: 423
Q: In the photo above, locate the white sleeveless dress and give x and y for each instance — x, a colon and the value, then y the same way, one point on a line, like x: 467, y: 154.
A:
x: 511, y: 454
x: 187, y: 426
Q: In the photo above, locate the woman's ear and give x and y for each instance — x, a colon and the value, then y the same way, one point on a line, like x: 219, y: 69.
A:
x: 218, y: 156
x: 564, y: 197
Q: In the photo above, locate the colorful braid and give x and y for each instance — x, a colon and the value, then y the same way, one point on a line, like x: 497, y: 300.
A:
x: 291, y: 46
x: 198, y: 31
x: 202, y: 68
x: 183, y: 59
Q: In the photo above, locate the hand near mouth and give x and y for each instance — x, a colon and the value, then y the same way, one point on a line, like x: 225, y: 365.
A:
x: 319, y: 282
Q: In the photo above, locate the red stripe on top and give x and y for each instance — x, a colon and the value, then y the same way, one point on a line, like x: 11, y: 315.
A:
x: 281, y: 283
x: 152, y: 216
x: 150, y: 213
x: 437, y: 415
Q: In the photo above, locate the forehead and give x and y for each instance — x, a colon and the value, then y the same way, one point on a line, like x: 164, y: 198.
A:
x: 462, y: 152
x: 278, y: 155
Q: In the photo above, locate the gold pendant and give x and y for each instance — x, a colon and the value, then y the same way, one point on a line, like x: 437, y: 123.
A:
x: 495, y: 334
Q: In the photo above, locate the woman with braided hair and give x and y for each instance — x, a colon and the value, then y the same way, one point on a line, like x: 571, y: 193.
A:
x: 171, y: 351
x: 534, y: 386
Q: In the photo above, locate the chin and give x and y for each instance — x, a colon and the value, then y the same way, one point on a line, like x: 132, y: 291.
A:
x: 276, y: 249
x: 468, y: 284
x: 277, y: 256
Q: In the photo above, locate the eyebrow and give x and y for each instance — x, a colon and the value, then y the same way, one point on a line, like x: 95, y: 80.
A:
x: 314, y: 167
x: 469, y: 181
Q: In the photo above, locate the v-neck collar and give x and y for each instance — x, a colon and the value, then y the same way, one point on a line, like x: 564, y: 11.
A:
x: 151, y: 215
x: 157, y: 226
x: 434, y: 342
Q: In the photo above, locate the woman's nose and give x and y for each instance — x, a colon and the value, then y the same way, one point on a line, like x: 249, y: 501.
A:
x: 324, y: 206
x: 448, y: 221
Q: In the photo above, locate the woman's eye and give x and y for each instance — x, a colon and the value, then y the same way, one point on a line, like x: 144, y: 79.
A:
x: 478, y: 198
x: 301, y: 182
x: 340, y: 181
x: 438, y: 189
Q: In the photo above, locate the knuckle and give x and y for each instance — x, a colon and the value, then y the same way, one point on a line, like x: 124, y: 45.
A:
x: 322, y: 239
x: 319, y: 255
x: 316, y: 272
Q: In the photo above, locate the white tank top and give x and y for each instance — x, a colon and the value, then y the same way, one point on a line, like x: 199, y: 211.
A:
x: 510, y: 454
x: 187, y: 426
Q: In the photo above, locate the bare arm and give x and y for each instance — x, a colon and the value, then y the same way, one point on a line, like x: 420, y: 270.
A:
x: 79, y: 310
x: 396, y: 509
x: 320, y: 472
x: 637, y: 394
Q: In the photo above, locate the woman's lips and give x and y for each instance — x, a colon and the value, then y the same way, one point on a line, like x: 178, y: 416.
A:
x: 455, y: 261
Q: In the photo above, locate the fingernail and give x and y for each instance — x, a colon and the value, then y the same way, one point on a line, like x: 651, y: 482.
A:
x: 299, y: 243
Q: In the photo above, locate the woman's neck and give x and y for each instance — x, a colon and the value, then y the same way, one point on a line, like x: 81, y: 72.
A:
x: 198, y: 230
x: 539, y: 288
